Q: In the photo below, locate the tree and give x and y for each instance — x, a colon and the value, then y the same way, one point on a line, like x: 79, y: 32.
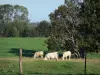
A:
x: 14, y: 32
x: 20, y: 13
x: 64, y: 26
x: 34, y: 32
x: 16, y: 16
x: 43, y: 28
x: 10, y: 31
x: 90, y: 25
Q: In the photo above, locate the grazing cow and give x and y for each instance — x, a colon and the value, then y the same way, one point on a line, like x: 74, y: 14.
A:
x: 53, y: 55
x: 38, y: 54
x: 66, y: 54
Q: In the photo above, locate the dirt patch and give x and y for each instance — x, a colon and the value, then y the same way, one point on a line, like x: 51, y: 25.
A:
x: 72, y: 60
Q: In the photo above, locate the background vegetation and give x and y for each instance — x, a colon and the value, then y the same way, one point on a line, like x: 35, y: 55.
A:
x: 74, y: 26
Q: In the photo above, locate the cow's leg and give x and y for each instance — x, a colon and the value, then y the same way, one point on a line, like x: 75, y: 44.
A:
x: 69, y: 57
x: 48, y: 58
x: 41, y: 56
x: 56, y: 59
x: 34, y: 56
x: 62, y: 58
x: 66, y: 57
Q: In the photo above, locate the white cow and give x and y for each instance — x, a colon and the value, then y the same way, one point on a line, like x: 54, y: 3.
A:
x: 53, y: 55
x: 66, y: 54
x: 39, y: 53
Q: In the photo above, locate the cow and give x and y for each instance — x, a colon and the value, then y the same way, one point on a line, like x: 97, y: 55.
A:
x: 66, y: 54
x: 38, y: 54
x: 53, y: 55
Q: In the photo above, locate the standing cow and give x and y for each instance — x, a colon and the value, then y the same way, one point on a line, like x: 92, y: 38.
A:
x: 66, y: 54
x: 38, y: 54
x: 53, y: 55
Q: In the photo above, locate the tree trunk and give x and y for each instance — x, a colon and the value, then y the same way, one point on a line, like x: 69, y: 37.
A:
x: 75, y: 47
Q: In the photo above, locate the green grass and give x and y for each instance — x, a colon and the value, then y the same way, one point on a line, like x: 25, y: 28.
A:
x: 10, y: 46
x: 9, y: 64
x: 93, y: 55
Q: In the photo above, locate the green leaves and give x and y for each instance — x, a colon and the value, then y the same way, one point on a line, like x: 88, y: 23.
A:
x: 89, y: 29
x: 43, y: 28
x: 64, y: 22
x: 13, y: 20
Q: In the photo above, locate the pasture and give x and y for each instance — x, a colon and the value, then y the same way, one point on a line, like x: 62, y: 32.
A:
x: 9, y: 47
x: 9, y: 62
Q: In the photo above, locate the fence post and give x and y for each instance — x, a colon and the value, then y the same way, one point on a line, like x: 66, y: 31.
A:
x: 85, y: 65
x: 20, y: 61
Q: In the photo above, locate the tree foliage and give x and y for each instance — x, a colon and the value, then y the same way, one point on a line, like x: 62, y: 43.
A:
x: 14, y: 22
x: 89, y: 27
x: 64, y: 26
x: 15, y: 16
x: 43, y: 28
x: 75, y: 27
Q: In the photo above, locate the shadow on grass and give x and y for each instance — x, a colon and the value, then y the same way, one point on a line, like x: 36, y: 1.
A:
x: 25, y: 52
x: 30, y: 53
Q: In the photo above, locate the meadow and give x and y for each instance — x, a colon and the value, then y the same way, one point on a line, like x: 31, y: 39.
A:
x: 9, y: 60
x: 9, y: 47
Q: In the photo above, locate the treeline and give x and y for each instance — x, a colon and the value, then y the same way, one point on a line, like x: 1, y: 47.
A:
x: 75, y: 27
x: 14, y: 22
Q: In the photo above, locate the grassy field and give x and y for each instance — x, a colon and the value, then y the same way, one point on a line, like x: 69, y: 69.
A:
x: 9, y: 47
x: 10, y: 66
x: 9, y: 62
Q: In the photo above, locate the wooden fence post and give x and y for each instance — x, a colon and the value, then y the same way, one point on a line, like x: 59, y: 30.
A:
x: 85, y: 64
x: 20, y: 61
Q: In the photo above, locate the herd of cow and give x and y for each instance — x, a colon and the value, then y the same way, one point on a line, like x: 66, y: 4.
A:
x: 52, y: 55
